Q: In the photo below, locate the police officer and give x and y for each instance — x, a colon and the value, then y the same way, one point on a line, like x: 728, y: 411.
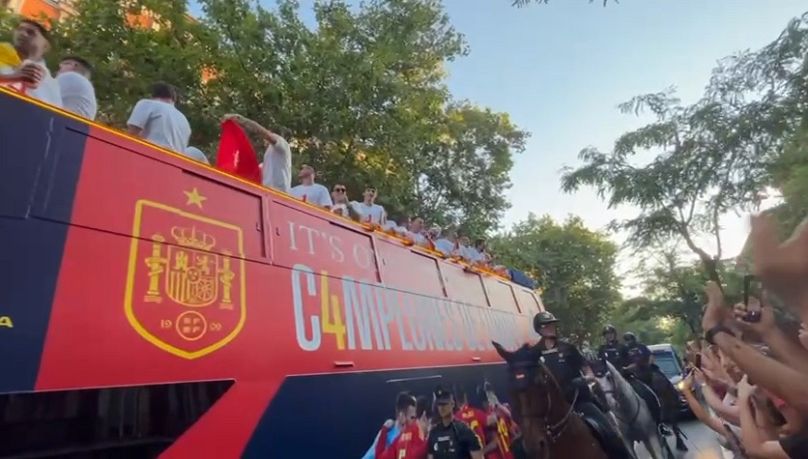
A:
x: 450, y: 438
x: 640, y: 364
x: 567, y: 364
x: 612, y: 349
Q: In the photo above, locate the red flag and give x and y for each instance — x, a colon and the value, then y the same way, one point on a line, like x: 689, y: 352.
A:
x: 236, y: 154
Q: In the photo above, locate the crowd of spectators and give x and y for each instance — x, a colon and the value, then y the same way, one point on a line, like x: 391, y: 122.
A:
x: 752, y: 371
x: 158, y: 120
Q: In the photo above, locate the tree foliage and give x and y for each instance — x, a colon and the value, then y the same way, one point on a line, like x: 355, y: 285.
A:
x: 713, y: 157
x: 361, y: 94
x: 575, y: 268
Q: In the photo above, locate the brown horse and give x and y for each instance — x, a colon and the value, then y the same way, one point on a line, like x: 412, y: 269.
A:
x: 550, y: 428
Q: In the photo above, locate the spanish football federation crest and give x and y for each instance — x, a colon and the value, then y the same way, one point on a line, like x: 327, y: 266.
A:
x: 185, y: 290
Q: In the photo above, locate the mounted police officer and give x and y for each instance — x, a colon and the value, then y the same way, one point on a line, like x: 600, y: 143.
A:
x: 612, y: 349
x: 567, y: 365
x: 640, y: 364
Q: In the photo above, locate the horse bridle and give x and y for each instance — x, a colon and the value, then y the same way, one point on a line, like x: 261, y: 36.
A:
x: 636, y: 399
x: 554, y: 431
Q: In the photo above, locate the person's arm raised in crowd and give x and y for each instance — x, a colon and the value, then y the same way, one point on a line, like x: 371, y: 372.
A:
x: 698, y: 410
x: 783, y: 268
x: 754, y: 441
x: 730, y: 414
x: 253, y: 127
x: 783, y: 381
x: 786, y: 350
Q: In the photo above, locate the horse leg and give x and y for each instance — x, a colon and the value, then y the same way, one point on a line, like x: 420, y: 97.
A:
x: 653, y: 445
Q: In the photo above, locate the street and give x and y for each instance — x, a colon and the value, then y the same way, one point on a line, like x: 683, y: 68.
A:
x: 700, y: 440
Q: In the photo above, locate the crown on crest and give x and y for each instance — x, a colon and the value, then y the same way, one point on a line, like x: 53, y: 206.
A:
x: 190, y: 237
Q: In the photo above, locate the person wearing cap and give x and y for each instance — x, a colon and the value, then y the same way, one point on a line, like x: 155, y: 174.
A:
x: 572, y: 373
x: 450, y: 438
x: 78, y: 94
x: 32, y: 42
x: 640, y: 365
x: 311, y: 192
x: 612, y: 349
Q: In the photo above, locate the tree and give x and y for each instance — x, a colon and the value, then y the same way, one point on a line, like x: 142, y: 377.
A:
x: 715, y: 156
x: 708, y: 163
x: 574, y: 267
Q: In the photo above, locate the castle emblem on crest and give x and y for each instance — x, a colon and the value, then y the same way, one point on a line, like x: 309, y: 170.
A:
x: 186, y: 285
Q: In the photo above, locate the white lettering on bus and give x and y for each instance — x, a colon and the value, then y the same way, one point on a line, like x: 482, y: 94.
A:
x: 387, y: 313
x: 360, y: 315
x: 313, y: 343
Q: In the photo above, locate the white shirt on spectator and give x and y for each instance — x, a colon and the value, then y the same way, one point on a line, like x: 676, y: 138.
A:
x: 48, y: 89
x: 341, y: 209
x: 315, y: 194
x: 418, y: 238
x: 277, y: 168
x: 445, y: 246
x: 196, y: 153
x: 78, y: 94
x: 162, y: 124
x: 373, y: 213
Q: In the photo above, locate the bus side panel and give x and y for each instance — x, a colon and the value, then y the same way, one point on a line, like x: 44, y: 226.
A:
x: 39, y: 166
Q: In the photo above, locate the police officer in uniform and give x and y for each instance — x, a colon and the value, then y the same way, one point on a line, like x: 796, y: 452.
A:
x: 450, y: 438
x: 613, y: 350
x: 567, y: 364
x: 640, y: 364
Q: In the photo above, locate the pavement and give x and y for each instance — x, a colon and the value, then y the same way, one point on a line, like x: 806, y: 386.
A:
x: 700, y: 440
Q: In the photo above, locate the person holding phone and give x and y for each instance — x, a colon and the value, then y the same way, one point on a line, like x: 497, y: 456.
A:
x: 759, y: 318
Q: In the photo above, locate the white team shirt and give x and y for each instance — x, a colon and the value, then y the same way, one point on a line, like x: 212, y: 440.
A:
x: 373, y: 213
x: 162, y: 124
x: 78, y: 94
x: 277, y: 168
x: 48, y: 89
x: 315, y: 194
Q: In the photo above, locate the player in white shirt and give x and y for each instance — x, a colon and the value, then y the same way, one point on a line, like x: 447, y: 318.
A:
x: 311, y: 192
x: 32, y: 77
x: 277, y: 166
x: 78, y: 94
x: 158, y: 120
x: 368, y: 210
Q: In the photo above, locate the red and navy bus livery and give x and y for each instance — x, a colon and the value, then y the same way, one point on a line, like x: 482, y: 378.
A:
x: 151, y: 306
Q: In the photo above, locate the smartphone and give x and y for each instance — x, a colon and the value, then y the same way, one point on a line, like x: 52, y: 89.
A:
x: 697, y: 363
x: 752, y: 288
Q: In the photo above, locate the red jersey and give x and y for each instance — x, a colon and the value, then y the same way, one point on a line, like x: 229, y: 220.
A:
x: 504, y: 433
x: 476, y: 420
x: 410, y: 444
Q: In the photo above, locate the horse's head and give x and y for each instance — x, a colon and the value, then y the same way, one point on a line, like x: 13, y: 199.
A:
x: 533, y: 389
x: 602, y: 370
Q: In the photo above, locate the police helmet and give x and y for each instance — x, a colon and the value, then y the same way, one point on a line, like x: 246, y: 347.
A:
x: 630, y: 337
x: 543, y: 318
x: 609, y: 329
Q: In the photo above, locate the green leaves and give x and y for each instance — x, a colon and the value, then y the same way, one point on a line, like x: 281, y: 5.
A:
x: 574, y: 267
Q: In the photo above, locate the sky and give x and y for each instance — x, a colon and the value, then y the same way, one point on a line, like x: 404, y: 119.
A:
x: 560, y: 70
